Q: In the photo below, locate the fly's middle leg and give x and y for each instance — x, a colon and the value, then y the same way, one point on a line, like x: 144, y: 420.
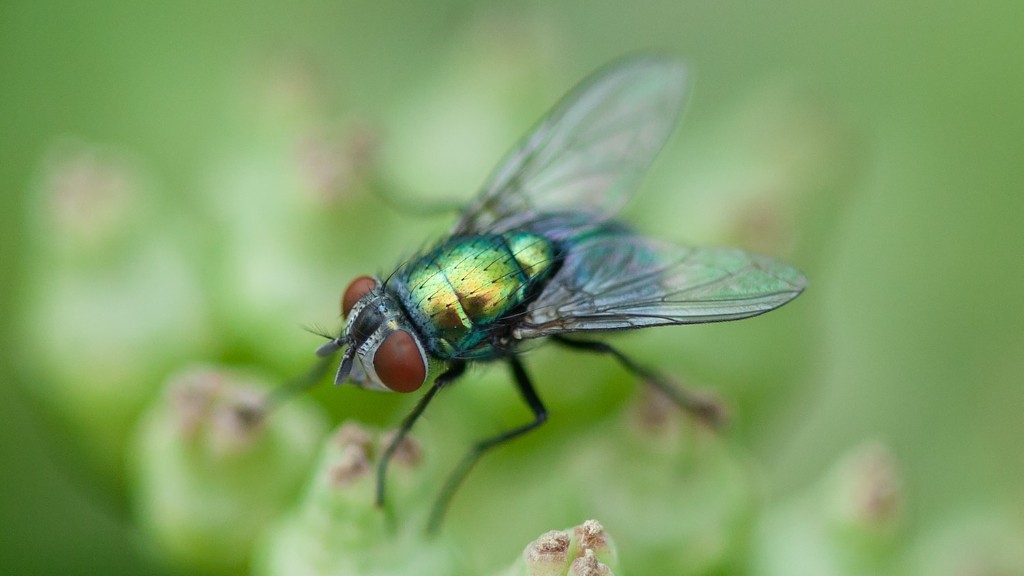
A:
x: 441, y: 381
x: 540, y: 415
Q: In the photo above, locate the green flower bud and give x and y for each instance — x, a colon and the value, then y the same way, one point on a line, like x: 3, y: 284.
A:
x: 337, y: 529
x: 548, y: 555
x: 678, y: 498
x: 110, y: 302
x: 587, y: 565
x: 674, y: 492
x: 865, y: 497
x: 591, y: 537
x: 213, y: 469
x: 850, y: 523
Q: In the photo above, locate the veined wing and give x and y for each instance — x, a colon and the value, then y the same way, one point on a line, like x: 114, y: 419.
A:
x: 589, y: 153
x: 623, y: 281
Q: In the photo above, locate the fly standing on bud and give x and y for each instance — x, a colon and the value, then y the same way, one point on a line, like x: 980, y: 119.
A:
x: 537, y: 255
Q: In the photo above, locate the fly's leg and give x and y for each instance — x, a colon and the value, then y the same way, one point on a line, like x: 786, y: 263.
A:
x: 278, y: 396
x: 704, y: 408
x: 441, y: 381
x: 540, y: 414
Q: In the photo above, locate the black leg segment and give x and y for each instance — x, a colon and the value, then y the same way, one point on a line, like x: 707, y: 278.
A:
x: 540, y: 414
x: 704, y: 408
x: 441, y: 381
x: 295, y: 387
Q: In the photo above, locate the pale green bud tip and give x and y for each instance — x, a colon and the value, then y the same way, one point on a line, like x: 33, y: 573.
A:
x: 333, y: 165
x: 210, y: 439
x: 548, y: 555
x: 588, y: 565
x: 344, y: 480
x: 353, y: 451
x: 90, y: 193
x: 354, y: 448
x: 868, y: 491
x: 591, y: 537
x: 208, y: 407
x: 337, y: 527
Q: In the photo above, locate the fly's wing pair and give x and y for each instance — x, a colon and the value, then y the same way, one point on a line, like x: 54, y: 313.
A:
x: 629, y: 281
x: 587, y: 157
x: 589, y: 153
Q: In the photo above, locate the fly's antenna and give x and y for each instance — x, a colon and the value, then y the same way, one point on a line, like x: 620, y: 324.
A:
x: 346, y: 365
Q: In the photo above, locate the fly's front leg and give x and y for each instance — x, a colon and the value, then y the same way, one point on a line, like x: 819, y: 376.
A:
x: 703, y: 407
x: 441, y: 381
x: 278, y: 396
x: 540, y: 415
x: 299, y: 385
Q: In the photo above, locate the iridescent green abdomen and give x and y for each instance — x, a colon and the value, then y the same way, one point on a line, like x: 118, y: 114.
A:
x: 457, y: 293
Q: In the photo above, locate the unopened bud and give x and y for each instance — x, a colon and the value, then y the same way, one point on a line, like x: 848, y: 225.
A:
x: 337, y: 528
x: 867, y: 493
x: 585, y: 549
x: 201, y: 444
x: 548, y: 555
x: 588, y: 565
x: 591, y: 537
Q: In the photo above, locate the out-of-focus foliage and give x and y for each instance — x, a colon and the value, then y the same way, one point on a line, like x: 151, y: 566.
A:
x: 190, y: 184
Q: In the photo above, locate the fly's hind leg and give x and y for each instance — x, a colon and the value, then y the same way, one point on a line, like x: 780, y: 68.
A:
x: 705, y: 408
x: 540, y: 414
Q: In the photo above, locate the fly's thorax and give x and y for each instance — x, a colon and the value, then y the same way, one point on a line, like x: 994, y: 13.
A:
x: 384, y: 347
x: 461, y: 293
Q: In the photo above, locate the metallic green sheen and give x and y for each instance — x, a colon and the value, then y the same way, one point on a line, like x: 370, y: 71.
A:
x: 457, y: 293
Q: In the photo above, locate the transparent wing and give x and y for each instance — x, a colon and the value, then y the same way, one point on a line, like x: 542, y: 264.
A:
x: 589, y: 153
x: 626, y: 281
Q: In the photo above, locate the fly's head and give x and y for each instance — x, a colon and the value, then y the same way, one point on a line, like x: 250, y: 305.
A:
x: 382, y: 349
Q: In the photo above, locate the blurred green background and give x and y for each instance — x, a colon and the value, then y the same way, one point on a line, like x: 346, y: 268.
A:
x: 192, y: 182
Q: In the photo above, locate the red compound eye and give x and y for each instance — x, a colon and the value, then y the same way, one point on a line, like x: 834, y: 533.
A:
x: 356, y: 290
x: 399, y: 364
